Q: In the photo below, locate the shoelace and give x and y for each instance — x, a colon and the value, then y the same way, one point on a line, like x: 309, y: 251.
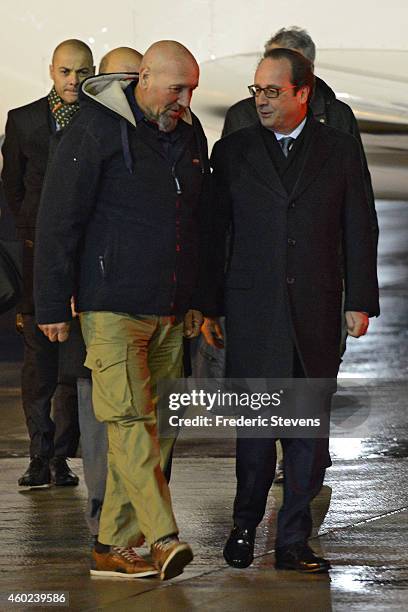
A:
x: 165, y: 543
x: 127, y: 552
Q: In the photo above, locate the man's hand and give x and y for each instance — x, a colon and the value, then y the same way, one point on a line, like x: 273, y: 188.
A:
x: 19, y: 323
x: 212, y: 332
x: 357, y: 323
x: 192, y: 323
x: 56, y: 331
x: 73, y: 308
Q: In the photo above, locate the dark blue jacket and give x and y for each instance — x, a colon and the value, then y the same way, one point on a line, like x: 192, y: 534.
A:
x: 121, y: 225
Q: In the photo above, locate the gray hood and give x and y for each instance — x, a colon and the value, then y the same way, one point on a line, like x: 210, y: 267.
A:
x: 109, y: 91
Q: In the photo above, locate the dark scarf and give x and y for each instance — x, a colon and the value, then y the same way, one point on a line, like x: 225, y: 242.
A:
x: 61, y: 111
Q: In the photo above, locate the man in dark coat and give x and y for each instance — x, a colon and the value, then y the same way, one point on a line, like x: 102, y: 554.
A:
x: 324, y: 105
x: 292, y: 191
x: 46, y: 368
x: 209, y: 360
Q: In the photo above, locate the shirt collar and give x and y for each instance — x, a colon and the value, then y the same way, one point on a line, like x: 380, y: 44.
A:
x: 294, y: 134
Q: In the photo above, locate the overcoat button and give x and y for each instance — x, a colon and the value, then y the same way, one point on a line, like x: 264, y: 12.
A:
x: 98, y: 363
x: 290, y: 280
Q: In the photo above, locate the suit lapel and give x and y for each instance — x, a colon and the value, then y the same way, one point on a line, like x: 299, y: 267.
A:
x: 39, y: 114
x: 317, y: 149
x: 40, y: 124
x: 258, y: 157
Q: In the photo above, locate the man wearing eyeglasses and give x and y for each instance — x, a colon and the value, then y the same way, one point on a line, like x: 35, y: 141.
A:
x: 292, y: 190
x: 324, y: 105
x: 207, y: 358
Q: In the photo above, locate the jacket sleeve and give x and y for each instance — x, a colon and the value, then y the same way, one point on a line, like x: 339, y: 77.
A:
x: 221, y: 224
x: 67, y: 201
x: 367, y: 180
x: 351, y: 126
x: 202, y: 298
x: 14, y: 164
x: 359, y: 249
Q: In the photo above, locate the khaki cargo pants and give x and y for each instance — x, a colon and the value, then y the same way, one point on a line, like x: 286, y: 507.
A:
x: 128, y: 355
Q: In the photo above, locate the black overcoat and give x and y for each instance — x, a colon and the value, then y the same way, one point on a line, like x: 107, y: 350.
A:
x: 25, y: 154
x: 281, y: 282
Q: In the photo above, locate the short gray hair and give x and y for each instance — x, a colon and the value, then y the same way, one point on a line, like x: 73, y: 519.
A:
x: 294, y: 38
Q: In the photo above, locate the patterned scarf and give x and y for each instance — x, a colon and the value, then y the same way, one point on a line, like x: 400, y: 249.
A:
x: 61, y: 111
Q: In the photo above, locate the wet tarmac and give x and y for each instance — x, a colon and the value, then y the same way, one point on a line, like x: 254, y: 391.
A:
x: 360, y: 515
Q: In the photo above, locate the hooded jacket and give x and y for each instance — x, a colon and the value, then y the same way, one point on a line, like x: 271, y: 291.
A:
x: 122, y: 222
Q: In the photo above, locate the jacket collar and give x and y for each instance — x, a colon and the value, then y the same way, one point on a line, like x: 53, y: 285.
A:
x: 323, y: 95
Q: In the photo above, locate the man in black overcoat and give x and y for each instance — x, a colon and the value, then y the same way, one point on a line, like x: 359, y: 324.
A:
x: 47, y: 368
x: 208, y: 360
x: 291, y: 192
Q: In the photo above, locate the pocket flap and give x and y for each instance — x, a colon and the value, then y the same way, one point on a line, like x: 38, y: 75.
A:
x: 99, y: 357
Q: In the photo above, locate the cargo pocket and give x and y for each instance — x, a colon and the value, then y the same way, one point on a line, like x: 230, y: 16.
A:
x: 111, y: 392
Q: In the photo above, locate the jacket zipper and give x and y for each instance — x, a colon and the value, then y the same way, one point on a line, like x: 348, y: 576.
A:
x: 177, y: 182
x: 102, y: 265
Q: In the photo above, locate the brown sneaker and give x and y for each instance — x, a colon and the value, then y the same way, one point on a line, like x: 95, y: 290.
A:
x: 170, y: 556
x: 121, y: 562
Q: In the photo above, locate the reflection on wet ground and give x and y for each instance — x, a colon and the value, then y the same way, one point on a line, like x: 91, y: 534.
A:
x: 360, y: 516
x: 358, y: 448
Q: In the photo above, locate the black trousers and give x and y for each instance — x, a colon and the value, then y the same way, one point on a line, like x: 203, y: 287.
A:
x: 304, y: 460
x: 47, y: 373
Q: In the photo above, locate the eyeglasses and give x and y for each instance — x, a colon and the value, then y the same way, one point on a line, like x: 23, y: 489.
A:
x: 270, y: 92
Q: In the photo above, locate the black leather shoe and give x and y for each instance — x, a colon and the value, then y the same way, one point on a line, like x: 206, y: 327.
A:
x: 300, y: 557
x: 239, y: 548
x: 37, y: 473
x: 61, y: 475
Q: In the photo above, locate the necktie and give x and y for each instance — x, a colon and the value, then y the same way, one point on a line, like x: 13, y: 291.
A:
x: 285, y: 144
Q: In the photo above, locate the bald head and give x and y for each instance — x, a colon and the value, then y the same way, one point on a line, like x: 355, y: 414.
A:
x: 161, y: 53
x: 74, y: 46
x: 168, y: 76
x: 121, y: 59
x: 72, y: 62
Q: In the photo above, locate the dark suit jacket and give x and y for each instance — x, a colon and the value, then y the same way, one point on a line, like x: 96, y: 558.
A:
x: 25, y: 153
x: 283, y: 282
